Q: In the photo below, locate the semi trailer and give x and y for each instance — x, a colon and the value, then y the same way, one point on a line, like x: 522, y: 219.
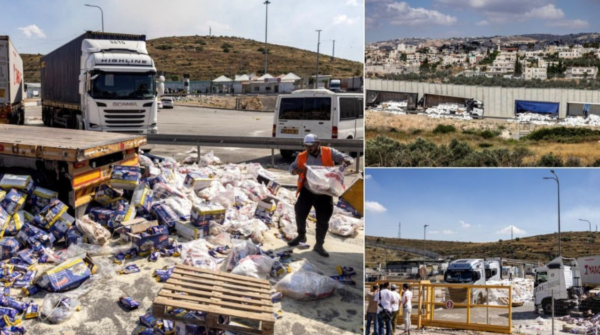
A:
x: 101, y: 82
x: 12, y: 85
x: 472, y: 272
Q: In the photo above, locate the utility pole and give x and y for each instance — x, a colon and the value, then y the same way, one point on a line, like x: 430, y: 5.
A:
x: 511, y: 232
x: 399, y: 230
x: 424, y: 239
x: 266, y: 3
x: 555, y: 178
x: 318, y: 45
x: 209, y: 31
x: 333, y: 52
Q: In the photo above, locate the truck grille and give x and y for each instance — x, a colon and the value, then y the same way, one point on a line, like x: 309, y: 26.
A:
x: 124, y: 118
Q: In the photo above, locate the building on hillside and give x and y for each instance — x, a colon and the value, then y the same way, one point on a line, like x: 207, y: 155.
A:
x: 222, y: 84
x: 288, y: 82
x: 33, y: 90
x: 241, y: 83
x: 581, y: 72
x: 536, y: 73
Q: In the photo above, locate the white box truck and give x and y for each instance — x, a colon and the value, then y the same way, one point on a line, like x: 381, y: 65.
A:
x: 101, y: 82
x: 12, y: 85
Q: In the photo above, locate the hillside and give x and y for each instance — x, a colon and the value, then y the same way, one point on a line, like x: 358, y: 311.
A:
x: 206, y: 58
x: 541, y: 247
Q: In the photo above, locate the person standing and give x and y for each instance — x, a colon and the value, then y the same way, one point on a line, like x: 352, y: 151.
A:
x: 406, y: 306
x: 395, y: 307
x: 314, y: 155
x: 384, y: 299
x: 372, y: 311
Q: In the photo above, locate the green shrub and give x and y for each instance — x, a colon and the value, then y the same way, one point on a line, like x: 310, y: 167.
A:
x: 444, y: 129
x: 487, y: 134
x: 549, y: 160
x: 201, y: 42
x: 485, y: 145
x: 573, y: 161
x: 164, y: 47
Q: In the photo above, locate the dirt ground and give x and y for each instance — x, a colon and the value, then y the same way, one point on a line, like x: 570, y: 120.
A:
x: 407, y: 128
x: 253, y: 103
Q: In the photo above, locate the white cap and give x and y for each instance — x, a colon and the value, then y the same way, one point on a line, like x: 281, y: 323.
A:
x: 310, y: 139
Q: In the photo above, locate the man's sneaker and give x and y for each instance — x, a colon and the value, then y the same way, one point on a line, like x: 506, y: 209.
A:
x: 297, y: 241
x: 320, y: 250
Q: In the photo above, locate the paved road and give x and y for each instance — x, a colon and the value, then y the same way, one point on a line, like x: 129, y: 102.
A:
x: 207, y: 121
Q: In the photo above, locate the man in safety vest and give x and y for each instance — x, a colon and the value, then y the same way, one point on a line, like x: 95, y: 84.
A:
x: 317, y: 156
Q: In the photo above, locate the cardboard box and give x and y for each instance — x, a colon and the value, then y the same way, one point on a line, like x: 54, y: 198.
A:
x: 125, y: 177
x: 2, y: 194
x: 50, y: 214
x: 197, y: 181
x: 265, y: 209
x: 273, y: 187
x: 41, y: 198
x: 106, y: 217
x: 68, y: 275
x: 165, y: 215
x: 153, y: 180
x: 20, y: 182
x: 9, y: 247
x: 105, y: 194
x: 13, y: 201
x: 13, y: 224
x: 145, y: 242
x: 125, y: 228
x: 203, y: 214
x: 191, y: 232
x: 142, y: 199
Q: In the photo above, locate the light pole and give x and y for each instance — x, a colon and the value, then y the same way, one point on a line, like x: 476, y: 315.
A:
x: 101, y: 13
x: 399, y: 229
x: 266, y: 3
x: 424, y: 239
x: 558, y: 188
x: 588, y: 223
x: 318, y: 45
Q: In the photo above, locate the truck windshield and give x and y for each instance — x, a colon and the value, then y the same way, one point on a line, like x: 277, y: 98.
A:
x: 123, y: 86
x: 458, y: 276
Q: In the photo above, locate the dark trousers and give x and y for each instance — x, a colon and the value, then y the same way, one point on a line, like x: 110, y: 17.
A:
x: 323, y: 207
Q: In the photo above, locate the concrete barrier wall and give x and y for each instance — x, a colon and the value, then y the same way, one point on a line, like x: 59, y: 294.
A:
x: 499, y: 102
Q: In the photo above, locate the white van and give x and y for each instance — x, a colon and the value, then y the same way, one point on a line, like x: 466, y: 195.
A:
x: 321, y: 112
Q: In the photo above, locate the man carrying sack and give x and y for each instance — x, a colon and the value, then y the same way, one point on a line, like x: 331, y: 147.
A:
x: 314, y: 155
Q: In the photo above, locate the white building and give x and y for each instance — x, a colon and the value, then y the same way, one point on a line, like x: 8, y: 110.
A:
x: 536, y: 73
x: 581, y: 72
x: 288, y: 82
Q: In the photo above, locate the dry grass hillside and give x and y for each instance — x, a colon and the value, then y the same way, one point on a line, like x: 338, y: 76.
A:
x: 540, y: 248
x: 206, y: 58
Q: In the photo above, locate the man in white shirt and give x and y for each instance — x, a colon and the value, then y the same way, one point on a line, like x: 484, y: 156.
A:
x: 395, y: 307
x: 406, y: 306
x: 385, y: 300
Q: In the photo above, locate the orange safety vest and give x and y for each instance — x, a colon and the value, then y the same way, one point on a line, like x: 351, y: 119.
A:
x: 326, y: 160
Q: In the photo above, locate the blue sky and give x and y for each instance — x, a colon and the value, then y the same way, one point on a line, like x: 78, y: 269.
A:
x: 389, y: 19
x: 40, y: 26
x: 479, y: 205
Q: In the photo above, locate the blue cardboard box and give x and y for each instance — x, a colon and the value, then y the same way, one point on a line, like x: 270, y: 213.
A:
x: 125, y: 177
x: 13, y: 201
x: 9, y: 247
x: 204, y: 213
x: 165, y: 215
x: 68, y: 275
x: 105, y: 194
x: 106, y: 217
x: 144, y: 240
x: 41, y: 198
x: 142, y: 199
x: 50, y: 214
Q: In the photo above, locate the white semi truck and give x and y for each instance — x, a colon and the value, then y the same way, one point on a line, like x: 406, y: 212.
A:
x: 101, y: 82
x: 567, y: 280
x: 472, y: 272
x: 12, y: 92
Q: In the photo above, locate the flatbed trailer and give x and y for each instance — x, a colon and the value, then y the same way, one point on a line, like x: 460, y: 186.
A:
x: 71, y: 162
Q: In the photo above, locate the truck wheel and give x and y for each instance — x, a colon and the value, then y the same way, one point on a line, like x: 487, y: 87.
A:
x: 287, y: 154
x: 547, y: 307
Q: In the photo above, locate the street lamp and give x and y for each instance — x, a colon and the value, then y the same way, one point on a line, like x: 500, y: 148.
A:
x: 101, y: 13
x: 266, y: 3
x: 318, y: 46
x: 424, y: 238
x: 558, y: 188
x: 588, y: 223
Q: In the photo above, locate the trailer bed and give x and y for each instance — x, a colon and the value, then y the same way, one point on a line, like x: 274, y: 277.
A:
x: 63, y: 144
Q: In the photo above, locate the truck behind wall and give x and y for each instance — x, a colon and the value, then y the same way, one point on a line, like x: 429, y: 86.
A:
x: 12, y: 92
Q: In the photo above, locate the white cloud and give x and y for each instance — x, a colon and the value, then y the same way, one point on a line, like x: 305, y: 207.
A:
x: 507, y: 231
x: 405, y: 15
x: 367, y: 177
x: 483, y: 23
x: 569, y: 24
x: 441, y: 232
x: 33, y: 31
x: 548, y: 12
x: 352, y: 3
x: 464, y: 224
x: 374, y: 206
x: 344, y: 19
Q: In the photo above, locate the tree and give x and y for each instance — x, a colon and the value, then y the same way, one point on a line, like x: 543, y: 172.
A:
x: 403, y: 57
x: 530, y: 46
x: 518, y: 68
x: 175, y: 78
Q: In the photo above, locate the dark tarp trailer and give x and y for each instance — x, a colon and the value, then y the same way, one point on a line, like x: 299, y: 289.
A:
x: 576, y: 109
x: 432, y: 100
x: 378, y: 97
x: 539, y: 107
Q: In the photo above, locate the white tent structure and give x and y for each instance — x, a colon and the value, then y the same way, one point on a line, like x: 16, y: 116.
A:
x: 221, y: 84
x: 288, y: 82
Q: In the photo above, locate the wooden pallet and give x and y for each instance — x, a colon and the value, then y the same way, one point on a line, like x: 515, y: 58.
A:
x: 243, y: 299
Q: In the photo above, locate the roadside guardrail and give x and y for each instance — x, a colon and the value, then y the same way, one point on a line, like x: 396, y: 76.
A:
x: 252, y: 142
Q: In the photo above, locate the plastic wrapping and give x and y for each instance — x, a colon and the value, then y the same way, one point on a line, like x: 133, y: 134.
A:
x: 94, y: 231
x: 162, y: 191
x: 285, y: 214
x: 58, y: 308
x: 212, y: 191
x: 256, y: 266
x: 239, y: 250
x: 181, y: 207
x: 254, y: 190
x: 306, y: 285
x: 209, y: 159
x: 326, y: 180
x: 216, y: 228
x: 225, y: 198
x: 223, y: 238
x: 290, y: 232
x: 195, y: 253
x: 344, y: 225
x: 145, y: 161
x: 304, y: 265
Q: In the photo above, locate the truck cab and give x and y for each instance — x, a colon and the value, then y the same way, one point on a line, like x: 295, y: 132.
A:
x: 493, y: 269
x: 466, y: 271
x: 335, y: 85
x: 559, y: 278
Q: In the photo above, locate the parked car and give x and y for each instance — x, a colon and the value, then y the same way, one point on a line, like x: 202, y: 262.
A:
x: 167, y: 102
x: 159, y: 104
